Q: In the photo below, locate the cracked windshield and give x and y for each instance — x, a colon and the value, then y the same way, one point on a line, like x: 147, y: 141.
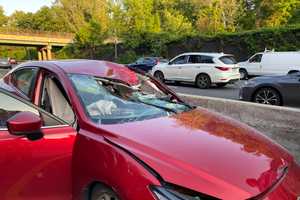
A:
x: 110, y: 101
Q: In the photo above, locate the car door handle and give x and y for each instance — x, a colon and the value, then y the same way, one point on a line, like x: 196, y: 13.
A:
x: 179, y: 67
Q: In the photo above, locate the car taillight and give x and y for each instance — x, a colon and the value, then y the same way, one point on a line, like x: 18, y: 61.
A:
x: 223, y: 68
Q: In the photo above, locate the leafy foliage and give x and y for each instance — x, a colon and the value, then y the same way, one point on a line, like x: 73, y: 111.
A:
x: 3, y: 17
x: 150, y: 27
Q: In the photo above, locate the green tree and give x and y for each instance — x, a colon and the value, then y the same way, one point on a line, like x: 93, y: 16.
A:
x: 49, y: 19
x: 79, y: 13
x: 218, y: 16
x: 3, y: 17
x: 89, y: 37
x: 295, y: 19
x: 45, y: 19
x: 140, y: 16
x: 187, y: 8
x: 268, y: 13
x: 275, y: 12
x: 22, y: 20
x: 176, y: 24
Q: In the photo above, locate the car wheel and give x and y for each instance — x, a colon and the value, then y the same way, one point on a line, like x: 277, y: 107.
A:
x: 159, y: 76
x: 203, y: 81
x: 220, y: 85
x: 267, y: 96
x: 101, y: 192
x: 244, y: 74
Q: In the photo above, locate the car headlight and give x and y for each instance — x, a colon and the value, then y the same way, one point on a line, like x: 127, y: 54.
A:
x: 172, y: 192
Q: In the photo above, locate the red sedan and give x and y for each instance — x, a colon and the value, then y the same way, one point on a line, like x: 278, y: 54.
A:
x: 103, y: 132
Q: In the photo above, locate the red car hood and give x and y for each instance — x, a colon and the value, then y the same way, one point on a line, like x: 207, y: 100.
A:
x: 206, y: 152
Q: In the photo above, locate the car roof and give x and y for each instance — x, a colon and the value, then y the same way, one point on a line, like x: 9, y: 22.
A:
x: 206, y: 54
x: 98, y: 68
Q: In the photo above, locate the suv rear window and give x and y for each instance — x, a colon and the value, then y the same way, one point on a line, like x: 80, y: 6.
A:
x: 229, y: 60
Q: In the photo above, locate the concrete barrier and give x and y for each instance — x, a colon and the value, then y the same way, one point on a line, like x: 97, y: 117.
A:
x: 282, y: 124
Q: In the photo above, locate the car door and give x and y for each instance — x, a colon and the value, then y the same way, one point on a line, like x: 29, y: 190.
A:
x: 34, y: 169
x: 188, y: 72
x: 148, y: 64
x: 197, y: 64
x: 172, y: 70
x: 291, y: 89
x: 139, y: 64
x: 254, y: 66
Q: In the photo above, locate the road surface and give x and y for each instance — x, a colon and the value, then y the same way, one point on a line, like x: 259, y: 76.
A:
x: 227, y: 92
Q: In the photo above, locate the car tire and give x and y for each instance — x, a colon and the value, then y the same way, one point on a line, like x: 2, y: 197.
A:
x: 220, y: 85
x: 203, y: 81
x: 101, y: 192
x: 268, y: 96
x: 159, y: 76
x: 244, y: 74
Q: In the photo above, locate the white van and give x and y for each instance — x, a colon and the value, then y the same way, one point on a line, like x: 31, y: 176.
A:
x: 270, y: 63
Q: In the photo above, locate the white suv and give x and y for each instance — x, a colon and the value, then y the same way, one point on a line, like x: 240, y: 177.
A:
x: 203, y: 69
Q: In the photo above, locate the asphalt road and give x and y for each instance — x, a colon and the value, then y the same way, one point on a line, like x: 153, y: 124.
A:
x: 228, y: 92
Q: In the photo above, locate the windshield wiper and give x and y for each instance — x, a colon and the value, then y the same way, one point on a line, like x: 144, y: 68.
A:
x: 154, y: 105
x: 168, y: 99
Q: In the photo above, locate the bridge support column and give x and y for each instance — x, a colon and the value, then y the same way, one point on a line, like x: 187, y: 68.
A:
x: 49, y: 53
x: 45, y: 53
x: 40, y: 55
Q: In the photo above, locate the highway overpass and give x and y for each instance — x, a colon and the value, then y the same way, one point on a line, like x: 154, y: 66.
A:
x: 43, y: 41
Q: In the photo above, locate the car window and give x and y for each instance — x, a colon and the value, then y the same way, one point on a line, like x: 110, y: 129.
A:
x: 180, y: 60
x: 24, y: 80
x: 55, y: 101
x: 149, y: 60
x: 140, y: 61
x: 10, y: 106
x: 256, y: 58
x: 207, y: 59
x: 195, y: 59
x: 229, y: 60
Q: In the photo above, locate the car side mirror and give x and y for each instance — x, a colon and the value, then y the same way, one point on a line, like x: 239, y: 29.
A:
x: 25, y: 124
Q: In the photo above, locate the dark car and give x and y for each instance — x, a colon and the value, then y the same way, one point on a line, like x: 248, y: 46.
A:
x: 273, y: 90
x: 7, y: 63
x: 147, y: 63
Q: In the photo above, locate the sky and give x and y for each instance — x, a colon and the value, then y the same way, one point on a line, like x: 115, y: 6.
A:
x: 25, y: 5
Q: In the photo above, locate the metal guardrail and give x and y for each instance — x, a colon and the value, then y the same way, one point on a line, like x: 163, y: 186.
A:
x: 27, y: 32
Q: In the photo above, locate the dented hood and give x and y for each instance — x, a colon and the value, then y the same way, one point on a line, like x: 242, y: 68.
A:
x: 206, y: 152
